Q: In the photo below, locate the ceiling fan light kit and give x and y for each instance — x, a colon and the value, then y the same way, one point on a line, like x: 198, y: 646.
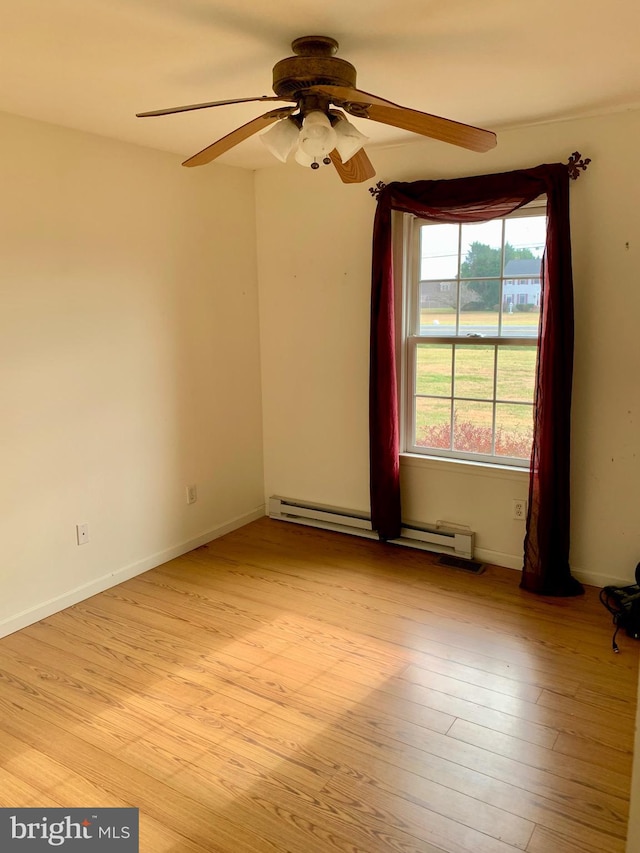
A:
x: 281, y: 138
x: 303, y: 159
x: 319, y: 135
x: 314, y: 80
x: 350, y: 139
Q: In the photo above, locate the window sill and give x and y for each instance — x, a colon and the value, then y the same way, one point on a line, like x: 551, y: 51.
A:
x: 465, y: 467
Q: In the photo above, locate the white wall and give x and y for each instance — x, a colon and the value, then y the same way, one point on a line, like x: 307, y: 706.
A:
x: 314, y: 246
x: 129, y: 361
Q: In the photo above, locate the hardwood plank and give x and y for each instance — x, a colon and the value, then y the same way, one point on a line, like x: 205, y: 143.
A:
x: 607, y: 702
x: 546, y: 840
x: 16, y: 792
x: 599, y: 755
x: 190, y: 818
x: 431, y: 667
x: 575, y: 706
x: 35, y: 780
x: 608, y: 780
x: 504, y: 833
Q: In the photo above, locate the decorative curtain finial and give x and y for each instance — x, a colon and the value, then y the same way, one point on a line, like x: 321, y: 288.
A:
x: 375, y: 191
x: 576, y: 165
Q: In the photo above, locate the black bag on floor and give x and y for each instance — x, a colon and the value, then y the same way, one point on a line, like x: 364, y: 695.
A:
x: 623, y: 602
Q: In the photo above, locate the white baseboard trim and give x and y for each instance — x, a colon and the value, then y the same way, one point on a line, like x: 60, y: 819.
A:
x: 599, y: 580
x: 509, y: 561
x: 80, y: 593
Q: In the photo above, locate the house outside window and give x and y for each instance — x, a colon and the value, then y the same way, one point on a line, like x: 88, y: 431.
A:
x: 522, y: 280
x: 471, y: 297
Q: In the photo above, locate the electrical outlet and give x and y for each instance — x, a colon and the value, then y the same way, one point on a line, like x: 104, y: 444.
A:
x: 520, y: 509
x: 82, y: 533
x: 192, y: 493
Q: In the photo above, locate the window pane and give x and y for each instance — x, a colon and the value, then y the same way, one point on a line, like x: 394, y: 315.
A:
x: 525, y: 237
x: 516, y: 373
x: 514, y: 430
x: 438, y: 307
x: 474, y: 372
x: 433, y: 423
x: 519, y: 318
x: 479, y: 307
x: 473, y: 427
x: 438, y: 251
x: 481, y: 249
x: 433, y: 369
x: 524, y: 244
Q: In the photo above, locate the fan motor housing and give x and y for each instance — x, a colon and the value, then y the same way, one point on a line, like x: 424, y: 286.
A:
x: 314, y: 65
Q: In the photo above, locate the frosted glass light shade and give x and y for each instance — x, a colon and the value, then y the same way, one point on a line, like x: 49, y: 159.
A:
x: 317, y: 137
x: 349, y: 139
x: 303, y: 159
x: 281, y: 138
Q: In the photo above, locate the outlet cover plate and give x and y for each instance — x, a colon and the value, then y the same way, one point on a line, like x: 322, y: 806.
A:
x: 520, y: 509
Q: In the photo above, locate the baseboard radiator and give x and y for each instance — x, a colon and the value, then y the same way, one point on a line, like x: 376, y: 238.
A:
x: 438, y: 538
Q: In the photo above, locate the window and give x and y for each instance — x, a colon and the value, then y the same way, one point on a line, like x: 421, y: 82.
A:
x: 471, y: 312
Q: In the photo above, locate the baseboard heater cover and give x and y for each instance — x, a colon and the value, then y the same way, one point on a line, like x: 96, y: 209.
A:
x: 413, y: 534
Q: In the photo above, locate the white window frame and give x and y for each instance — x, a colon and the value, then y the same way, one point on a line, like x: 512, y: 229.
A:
x: 407, y: 266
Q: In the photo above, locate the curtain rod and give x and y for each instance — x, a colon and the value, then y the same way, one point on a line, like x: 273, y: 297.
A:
x: 575, y: 166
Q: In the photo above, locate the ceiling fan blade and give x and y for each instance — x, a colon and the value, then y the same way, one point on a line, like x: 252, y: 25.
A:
x: 186, y: 109
x: 444, y: 129
x: 238, y: 135
x: 356, y: 170
x: 386, y: 112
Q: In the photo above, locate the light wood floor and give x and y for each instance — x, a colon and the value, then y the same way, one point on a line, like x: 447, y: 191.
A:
x: 286, y: 690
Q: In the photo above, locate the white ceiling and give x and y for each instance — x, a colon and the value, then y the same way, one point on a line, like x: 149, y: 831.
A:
x: 92, y: 64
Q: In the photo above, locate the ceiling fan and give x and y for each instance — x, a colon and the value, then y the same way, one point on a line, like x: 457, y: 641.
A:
x: 322, y: 87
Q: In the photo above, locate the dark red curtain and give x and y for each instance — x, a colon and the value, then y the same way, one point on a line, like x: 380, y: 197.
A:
x: 477, y: 199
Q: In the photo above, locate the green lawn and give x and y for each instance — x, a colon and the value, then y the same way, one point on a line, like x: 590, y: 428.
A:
x: 447, y: 316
